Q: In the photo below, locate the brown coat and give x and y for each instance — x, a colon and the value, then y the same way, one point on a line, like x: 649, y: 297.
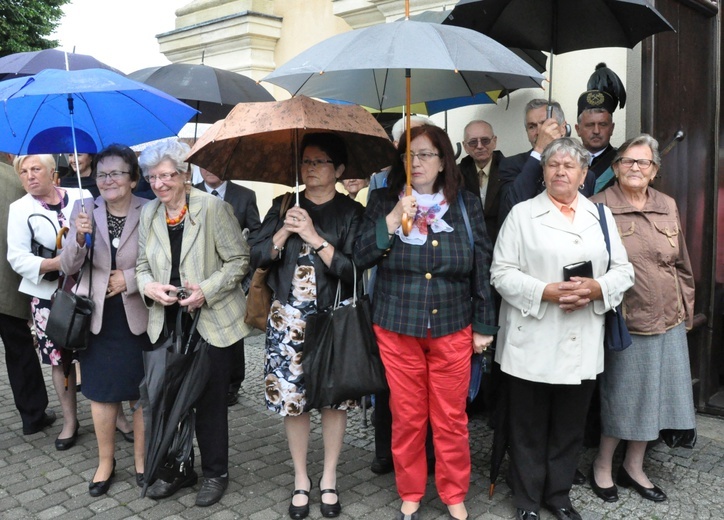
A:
x: 663, y: 294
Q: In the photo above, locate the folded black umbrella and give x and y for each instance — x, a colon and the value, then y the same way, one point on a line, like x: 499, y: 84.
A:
x: 176, y: 373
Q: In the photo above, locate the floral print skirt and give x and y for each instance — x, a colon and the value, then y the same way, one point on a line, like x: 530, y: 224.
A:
x: 283, y: 377
x: 40, y: 310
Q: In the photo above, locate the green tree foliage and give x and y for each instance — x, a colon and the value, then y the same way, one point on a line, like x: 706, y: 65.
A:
x: 24, y: 24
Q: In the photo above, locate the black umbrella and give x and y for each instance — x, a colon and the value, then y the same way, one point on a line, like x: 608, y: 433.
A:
x: 560, y: 26
x: 176, y: 373
x: 30, y: 63
x: 214, y: 92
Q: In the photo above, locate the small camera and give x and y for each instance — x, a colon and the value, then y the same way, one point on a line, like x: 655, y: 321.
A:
x: 181, y: 293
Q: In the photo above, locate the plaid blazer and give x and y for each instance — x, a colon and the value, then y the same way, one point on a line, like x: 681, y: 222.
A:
x: 442, y: 284
x: 213, y: 254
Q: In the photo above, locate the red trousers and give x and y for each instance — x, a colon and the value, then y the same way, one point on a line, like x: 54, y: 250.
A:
x: 429, y: 379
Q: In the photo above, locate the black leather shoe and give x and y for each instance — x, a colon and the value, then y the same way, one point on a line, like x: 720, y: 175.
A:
x: 564, y: 513
x: 96, y: 489
x: 212, y: 489
x: 68, y: 442
x: 47, y: 420
x: 609, y: 494
x: 654, y: 494
x: 579, y: 478
x: 126, y: 435
x: 402, y: 516
x: 163, y: 489
x: 299, y: 512
x: 524, y: 514
x: 329, y: 510
x: 232, y: 398
x: 381, y: 466
x: 140, y: 480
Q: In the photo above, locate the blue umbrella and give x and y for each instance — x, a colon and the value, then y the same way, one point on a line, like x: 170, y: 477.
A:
x: 61, y: 111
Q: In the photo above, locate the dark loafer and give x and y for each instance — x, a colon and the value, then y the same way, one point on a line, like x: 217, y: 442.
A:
x: 163, y: 489
x: 403, y: 516
x: 654, y: 494
x: 47, y: 420
x: 524, y: 514
x: 68, y: 442
x: 329, y: 510
x: 212, y: 489
x: 381, y: 466
x: 96, y: 489
x: 609, y: 494
x: 299, y: 512
x: 564, y: 513
x: 579, y: 478
x: 232, y: 398
x: 126, y: 435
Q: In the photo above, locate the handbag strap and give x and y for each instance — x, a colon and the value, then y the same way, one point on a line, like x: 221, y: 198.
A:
x: 32, y: 232
x: 89, y: 263
x: 467, y: 220
x: 604, y: 228
x: 338, y: 296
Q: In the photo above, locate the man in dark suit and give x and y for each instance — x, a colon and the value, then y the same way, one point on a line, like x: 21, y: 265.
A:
x: 595, y: 127
x: 480, y: 170
x: 21, y: 357
x: 521, y: 175
x: 243, y: 201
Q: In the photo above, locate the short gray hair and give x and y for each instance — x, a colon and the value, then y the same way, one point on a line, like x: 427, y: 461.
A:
x: 167, y: 149
x: 477, y: 122
x: 399, y: 127
x: 45, y: 159
x: 568, y: 146
x: 641, y: 140
x: 533, y: 104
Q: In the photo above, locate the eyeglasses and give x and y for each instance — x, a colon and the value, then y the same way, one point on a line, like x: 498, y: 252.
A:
x: 423, y: 156
x: 643, y: 163
x: 110, y: 176
x: 314, y: 163
x: 484, y: 141
x: 163, y: 177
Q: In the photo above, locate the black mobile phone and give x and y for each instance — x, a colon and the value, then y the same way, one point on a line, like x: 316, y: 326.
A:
x: 582, y: 269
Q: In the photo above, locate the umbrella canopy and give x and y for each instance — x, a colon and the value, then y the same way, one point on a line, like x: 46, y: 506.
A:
x: 259, y: 141
x: 369, y: 66
x: 555, y: 25
x: 214, y: 92
x: 29, y: 63
x: 176, y: 373
x: 40, y: 114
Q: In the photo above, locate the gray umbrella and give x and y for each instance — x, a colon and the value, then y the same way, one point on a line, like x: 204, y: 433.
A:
x: 369, y: 66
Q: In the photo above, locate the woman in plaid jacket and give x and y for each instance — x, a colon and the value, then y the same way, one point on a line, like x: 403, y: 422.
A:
x: 432, y: 309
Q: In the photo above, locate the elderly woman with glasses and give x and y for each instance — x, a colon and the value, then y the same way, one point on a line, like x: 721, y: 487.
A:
x: 309, y: 252
x: 432, y: 309
x: 112, y: 365
x: 551, y: 329
x: 33, y: 225
x: 192, y: 255
x: 647, y: 387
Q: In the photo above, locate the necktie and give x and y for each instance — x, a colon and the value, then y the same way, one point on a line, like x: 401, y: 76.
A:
x: 483, y: 184
x: 215, y: 193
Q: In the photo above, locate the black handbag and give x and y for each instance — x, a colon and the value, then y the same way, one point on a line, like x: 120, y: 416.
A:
x: 40, y: 250
x: 340, y: 356
x: 69, y: 321
x: 616, y: 335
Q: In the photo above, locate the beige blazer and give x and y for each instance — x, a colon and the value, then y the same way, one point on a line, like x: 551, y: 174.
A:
x: 538, y: 341
x: 73, y: 255
x: 213, y: 254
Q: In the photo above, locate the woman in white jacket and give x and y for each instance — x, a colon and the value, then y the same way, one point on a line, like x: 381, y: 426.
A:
x: 550, y: 342
x: 33, y: 220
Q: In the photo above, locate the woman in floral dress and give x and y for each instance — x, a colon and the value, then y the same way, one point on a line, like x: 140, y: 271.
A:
x: 309, y: 249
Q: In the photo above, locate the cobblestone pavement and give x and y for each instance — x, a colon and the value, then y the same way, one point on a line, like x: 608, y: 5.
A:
x: 38, y: 482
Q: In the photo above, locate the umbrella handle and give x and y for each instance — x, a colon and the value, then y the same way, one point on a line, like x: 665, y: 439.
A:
x: 407, y: 221
x: 491, y: 491
x: 59, y: 237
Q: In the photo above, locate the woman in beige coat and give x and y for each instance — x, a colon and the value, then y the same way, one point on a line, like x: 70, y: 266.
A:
x: 647, y: 387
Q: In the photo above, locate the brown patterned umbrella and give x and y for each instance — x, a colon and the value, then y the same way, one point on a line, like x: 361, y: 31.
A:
x: 259, y: 141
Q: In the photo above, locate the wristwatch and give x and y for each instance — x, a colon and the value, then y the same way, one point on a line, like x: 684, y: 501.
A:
x: 324, y: 244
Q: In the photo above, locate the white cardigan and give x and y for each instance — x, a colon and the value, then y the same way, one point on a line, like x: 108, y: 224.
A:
x: 538, y: 341
x: 21, y: 259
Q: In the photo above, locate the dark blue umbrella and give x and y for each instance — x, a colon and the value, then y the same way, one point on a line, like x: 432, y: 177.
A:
x: 29, y: 63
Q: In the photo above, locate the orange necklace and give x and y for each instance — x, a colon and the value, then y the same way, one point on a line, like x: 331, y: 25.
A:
x: 175, y: 221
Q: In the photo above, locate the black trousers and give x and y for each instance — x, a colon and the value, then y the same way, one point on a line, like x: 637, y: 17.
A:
x: 24, y: 373
x: 546, y: 424
x: 212, y: 419
x: 238, y: 366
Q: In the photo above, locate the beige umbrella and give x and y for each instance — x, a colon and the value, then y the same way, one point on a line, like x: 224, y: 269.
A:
x: 260, y: 141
